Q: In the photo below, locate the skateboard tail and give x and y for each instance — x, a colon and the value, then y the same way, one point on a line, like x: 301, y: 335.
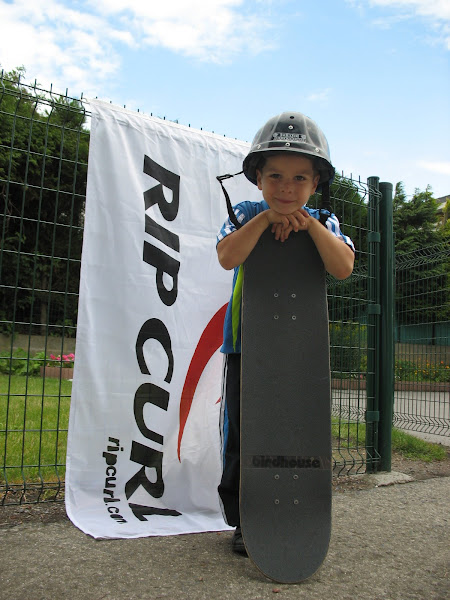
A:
x: 287, y: 525
x: 285, y: 573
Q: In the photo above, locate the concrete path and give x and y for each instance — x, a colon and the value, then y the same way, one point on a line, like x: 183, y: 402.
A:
x: 388, y: 543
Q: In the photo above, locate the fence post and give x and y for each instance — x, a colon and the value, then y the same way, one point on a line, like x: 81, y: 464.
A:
x: 373, y: 326
x: 386, y: 347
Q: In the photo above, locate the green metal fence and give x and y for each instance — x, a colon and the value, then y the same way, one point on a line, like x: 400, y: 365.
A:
x: 43, y: 165
x: 422, y: 336
x: 352, y: 342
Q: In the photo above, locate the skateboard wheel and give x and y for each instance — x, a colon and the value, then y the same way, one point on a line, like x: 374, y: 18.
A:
x: 295, y: 476
x: 276, y: 295
x: 294, y: 317
x: 277, y: 476
x: 275, y: 317
x: 295, y: 501
x: 277, y: 501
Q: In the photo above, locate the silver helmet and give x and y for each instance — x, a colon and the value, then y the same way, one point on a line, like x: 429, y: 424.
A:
x: 290, y: 132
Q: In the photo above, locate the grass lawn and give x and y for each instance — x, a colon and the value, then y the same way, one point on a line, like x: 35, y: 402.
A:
x: 33, y: 432
x: 33, y: 428
x: 354, y: 435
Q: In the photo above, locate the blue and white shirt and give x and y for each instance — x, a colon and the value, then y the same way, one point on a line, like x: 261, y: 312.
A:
x: 245, y: 211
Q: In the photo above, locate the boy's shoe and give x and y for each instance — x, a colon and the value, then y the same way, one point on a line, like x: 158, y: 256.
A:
x: 237, y: 543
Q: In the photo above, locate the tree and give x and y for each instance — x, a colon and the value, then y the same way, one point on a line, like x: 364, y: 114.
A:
x: 422, y: 269
x: 415, y: 221
x: 43, y: 167
x: 350, y: 204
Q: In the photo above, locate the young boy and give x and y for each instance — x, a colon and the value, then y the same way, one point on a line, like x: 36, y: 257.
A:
x: 288, y: 161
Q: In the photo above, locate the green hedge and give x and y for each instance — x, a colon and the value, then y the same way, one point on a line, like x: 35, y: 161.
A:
x: 20, y: 363
x: 348, y: 348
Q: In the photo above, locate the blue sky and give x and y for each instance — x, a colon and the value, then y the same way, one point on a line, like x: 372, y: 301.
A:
x: 374, y: 74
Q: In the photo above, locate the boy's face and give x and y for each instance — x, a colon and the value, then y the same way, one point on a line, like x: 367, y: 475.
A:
x: 287, y: 181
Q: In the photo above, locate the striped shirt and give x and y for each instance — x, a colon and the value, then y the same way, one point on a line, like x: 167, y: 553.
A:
x: 245, y: 211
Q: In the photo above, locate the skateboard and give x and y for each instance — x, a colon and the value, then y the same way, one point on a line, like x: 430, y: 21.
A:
x: 285, y: 486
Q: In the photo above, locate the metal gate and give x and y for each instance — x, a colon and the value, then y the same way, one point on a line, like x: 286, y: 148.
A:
x: 422, y: 340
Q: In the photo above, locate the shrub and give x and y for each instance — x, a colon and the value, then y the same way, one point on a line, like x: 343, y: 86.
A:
x: 406, y: 370
x: 347, y: 348
x: 21, y: 363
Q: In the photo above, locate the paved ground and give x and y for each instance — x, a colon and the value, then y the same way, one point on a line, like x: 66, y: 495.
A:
x: 388, y: 543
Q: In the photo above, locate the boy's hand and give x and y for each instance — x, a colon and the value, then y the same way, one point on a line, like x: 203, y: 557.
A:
x: 282, y: 225
x: 338, y: 258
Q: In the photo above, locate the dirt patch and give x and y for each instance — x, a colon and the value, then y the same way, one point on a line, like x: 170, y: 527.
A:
x: 417, y: 469
x: 44, y: 512
x: 420, y: 470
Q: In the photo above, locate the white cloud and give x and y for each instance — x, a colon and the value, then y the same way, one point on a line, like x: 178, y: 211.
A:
x: 213, y: 31
x: 57, y: 41
x: 436, y: 9
x: 435, y: 12
x: 443, y: 168
x: 320, y: 95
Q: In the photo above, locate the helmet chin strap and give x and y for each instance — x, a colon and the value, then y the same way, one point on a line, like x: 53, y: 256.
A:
x: 325, y: 207
x: 230, y: 210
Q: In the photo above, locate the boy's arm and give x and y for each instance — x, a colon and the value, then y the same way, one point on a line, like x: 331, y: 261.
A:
x: 337, y: 256
x: 234, y: 249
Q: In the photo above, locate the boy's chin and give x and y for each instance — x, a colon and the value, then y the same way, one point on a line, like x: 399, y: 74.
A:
x: 285, y: 209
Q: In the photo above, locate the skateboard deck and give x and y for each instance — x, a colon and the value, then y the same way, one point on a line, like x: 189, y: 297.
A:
x: 285, y: 487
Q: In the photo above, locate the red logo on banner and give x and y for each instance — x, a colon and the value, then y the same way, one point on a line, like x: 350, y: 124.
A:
x: 210, y: 341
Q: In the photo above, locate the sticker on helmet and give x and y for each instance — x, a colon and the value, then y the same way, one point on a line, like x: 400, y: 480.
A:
x: 297, y: 137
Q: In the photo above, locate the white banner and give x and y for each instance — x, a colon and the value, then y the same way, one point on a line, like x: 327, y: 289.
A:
x: 143, y: 452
